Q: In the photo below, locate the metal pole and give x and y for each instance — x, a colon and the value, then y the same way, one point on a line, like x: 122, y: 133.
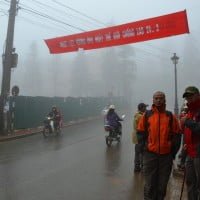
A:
x: 176, y: 111
x: 7, y: 65
x: 175, y: 61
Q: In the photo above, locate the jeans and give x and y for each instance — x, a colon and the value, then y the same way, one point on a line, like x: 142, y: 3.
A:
x: 193, y: 178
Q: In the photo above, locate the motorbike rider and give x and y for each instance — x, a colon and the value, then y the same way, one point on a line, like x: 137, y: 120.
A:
x: 55, y: 115
x: 113, y: 119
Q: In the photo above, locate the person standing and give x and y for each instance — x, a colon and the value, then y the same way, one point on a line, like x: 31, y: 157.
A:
x: 158, y: 131
x: 182, y: 155
x: 191, y: 125
x: 138, y: 163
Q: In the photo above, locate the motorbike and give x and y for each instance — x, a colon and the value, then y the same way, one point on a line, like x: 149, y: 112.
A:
x: 49, y: 128
x: 114, y: 134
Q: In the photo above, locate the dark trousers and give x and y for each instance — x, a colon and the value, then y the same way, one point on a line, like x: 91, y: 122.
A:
x: 157, y: 169
x: 138, y: 161
x: 193, y: 178
x: 182, y: 157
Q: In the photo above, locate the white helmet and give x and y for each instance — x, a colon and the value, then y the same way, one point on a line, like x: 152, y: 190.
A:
x: 112, y: 107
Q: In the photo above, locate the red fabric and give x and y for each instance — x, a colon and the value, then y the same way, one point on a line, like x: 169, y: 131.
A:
x: 148, y: 29
x: 182, y: 115
x: 192, y: 140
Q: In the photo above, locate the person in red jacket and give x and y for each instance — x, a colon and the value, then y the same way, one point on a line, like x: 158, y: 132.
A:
x: 191, y: 125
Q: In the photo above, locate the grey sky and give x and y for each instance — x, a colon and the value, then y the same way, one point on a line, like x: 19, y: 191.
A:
x: 153, y: 57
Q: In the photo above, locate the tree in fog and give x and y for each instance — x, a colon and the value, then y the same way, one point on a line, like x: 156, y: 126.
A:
x: 33, y: 77
x: 80, y: 76
x: 110, y: 71
x: 118, y: 70
x: 54, y: 72
x: 127, y: 69
x: 95, y: 81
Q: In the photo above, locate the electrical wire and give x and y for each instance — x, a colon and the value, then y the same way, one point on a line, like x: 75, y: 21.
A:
x: 30, y: 10
x: 64, y: 13
x: 74, y: 10
x: 41, y: 24
x: 44, y: 26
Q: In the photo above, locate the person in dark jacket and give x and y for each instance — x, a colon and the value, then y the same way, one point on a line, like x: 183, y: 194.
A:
x: 113, y: 120
x: 56, y: 116
x: 191, y: 125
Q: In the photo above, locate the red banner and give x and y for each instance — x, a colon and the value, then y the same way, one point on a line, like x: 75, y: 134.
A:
x: 148, y: 29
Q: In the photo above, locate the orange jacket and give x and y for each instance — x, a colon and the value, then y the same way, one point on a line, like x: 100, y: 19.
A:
x: 159, y: 130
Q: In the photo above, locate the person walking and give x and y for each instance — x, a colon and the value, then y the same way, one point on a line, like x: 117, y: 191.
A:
x: 159, y: 132
x: 138, y: 163
x: 191, y: 125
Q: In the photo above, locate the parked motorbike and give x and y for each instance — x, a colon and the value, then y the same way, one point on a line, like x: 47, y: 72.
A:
x: 49, y: 128
x: 114, y: 134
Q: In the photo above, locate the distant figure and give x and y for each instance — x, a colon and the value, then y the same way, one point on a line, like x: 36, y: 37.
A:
x: 113, y: 119
x: 183, y: 154
x: 159, y: 132
x: 191, y: 123
x: 138, y: 164
x: 56, y: 116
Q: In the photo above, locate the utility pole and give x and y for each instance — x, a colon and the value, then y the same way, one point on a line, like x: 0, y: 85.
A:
x: 8, y: 60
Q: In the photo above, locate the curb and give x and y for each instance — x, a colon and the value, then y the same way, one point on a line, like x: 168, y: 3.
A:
x: 17, y: 134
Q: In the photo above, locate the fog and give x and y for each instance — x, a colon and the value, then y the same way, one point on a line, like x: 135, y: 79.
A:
x: 135, y: 71
x: 86, y: 74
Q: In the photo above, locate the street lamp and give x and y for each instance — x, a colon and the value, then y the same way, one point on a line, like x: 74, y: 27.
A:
x: 175, y: 61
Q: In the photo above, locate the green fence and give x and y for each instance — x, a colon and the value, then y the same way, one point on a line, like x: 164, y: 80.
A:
x: 30, y: 112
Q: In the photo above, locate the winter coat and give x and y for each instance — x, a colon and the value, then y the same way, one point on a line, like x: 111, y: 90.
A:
x: 136, y: 118
x: 113, y: 119
x: 159, y: 132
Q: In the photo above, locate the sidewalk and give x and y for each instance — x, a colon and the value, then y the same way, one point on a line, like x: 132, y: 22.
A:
x: 21, y: 133
x: 175, y: 188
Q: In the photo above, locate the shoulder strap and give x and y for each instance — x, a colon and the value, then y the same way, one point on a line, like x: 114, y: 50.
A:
x: 147, y: 114
x: 168, y: 113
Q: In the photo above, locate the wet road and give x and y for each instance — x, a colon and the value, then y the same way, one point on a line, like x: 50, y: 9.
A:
x: 76, y: 165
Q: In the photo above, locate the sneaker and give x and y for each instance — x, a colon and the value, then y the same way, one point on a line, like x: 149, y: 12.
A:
x: 137, y: 169
x: 181, y: 167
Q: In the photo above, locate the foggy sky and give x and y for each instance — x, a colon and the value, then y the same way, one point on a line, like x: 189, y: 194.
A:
x: 41, y: 74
